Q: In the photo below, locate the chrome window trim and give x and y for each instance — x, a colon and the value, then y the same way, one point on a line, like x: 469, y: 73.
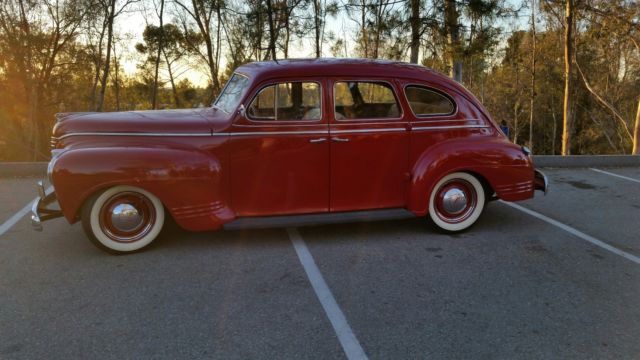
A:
x: 224, y: 88
x: 275, y: 121
x: 375, y: 123
x: 333, y: 96
x: 367, y: 130
x: 448, y: 127
x: 300, y: 132
x: 433, y: 90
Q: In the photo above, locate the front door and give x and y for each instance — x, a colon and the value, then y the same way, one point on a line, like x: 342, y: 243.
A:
x: 279, y: 155
x: 369, y: 146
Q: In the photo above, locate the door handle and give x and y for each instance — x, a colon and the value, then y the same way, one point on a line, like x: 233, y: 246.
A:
x: 339, y: 139
x: 318, y: 140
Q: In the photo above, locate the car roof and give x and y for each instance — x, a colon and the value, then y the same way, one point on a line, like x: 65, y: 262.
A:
x: 337, y: 67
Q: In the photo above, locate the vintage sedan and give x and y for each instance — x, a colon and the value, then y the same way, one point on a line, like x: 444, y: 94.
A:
x: 285, y: 143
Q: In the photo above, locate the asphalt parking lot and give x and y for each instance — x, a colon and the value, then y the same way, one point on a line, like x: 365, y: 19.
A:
x: 564, y: 284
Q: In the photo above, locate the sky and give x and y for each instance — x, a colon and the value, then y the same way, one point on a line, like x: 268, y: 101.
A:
x: 132, y: 24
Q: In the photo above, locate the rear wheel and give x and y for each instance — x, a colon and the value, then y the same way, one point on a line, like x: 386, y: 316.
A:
x: 122, y: 219
x: 456, y: 202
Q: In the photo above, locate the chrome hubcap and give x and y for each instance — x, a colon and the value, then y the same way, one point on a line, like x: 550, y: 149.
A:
x: 125, y: 217
x: 454, y: 201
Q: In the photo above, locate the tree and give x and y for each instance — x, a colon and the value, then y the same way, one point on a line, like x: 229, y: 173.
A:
x: 532, y: 96
x: 34, y: 36
x: 207, y: 15
x: 453, y: 39
x: 567, y: 111
x: 112, y: 9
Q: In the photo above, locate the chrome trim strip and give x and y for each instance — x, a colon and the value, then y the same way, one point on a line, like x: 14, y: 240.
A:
x: 366, y: 130
x: 139, y: 134
x: 444, y: 120
x: 252, y: 133
x: 450, y: 127
x: 302, y: 132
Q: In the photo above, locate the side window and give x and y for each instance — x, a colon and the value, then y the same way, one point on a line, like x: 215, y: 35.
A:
x: 290, y: 101
x: 364, y: 100
x: 425, y: 102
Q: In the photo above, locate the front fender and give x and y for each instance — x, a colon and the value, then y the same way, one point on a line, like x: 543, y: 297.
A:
x: 500, y: 164
x: 189, y: 182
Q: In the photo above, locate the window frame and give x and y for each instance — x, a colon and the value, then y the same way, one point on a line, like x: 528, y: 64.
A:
x: 367, y: 80
x: 215, y: 102
x: 435, y: 91
x: 275, y: 99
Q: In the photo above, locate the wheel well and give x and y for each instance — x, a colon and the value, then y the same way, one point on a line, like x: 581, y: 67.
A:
x: 486, y: 186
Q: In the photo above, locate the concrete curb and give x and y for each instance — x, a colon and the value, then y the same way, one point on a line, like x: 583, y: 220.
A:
x: 39, y: 169
x: 574, y: 161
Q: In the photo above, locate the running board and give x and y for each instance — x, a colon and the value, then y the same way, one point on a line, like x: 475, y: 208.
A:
x: 266, y: 222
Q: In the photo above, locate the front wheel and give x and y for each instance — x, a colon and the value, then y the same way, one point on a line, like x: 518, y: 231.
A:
x: 122, y: 219
x: 456, y: 202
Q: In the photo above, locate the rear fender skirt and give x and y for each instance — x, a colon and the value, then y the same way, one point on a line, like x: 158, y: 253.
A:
x: 189, y: 183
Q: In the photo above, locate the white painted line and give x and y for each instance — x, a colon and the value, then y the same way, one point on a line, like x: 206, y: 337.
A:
x: 576, y: 232
x: 16, y: 217
x: 347, y: 338
x: 616, y: 175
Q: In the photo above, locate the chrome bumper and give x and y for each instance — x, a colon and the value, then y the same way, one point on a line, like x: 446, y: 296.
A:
x: 39, y: 210
x: 540, y: 181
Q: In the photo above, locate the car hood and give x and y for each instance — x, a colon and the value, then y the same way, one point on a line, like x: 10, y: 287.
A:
x: 183, y: 121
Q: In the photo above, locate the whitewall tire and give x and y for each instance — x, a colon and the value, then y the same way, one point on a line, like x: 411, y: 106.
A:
x: 123, y: 219
x: 456, y: 202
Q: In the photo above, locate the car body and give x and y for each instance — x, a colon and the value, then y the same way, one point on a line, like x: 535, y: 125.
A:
x: 291, y: 141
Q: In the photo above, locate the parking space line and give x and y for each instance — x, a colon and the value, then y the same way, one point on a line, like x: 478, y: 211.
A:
x: 616, y: 175
x: 16, y: 217
x: 576, y: 232
x: 347, y: 338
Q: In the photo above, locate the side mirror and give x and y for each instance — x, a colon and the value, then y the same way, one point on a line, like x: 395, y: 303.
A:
x: 241, y: 110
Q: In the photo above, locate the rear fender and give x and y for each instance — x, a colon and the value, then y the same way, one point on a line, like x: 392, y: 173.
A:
x: 500, y: 164
x: 189, y: 182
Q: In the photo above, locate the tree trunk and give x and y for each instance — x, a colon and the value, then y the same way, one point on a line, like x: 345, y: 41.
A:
x: 567, y: 115
x: 533, y: 72
x: 636, y: 132
x: 154, y: 97
x: 453, y: 39
x: 271, y: 51
x: 107, y: 63
x: 415, y: 31
x: 98, y: 65
x: 176, y: 98
x: 116, y: 77
x: 316, y: 20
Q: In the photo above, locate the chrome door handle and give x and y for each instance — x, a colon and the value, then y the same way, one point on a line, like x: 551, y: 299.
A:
x: 339, y: 139
x: 318, y: 140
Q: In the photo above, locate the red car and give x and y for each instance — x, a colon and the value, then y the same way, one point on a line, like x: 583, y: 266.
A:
x: 287, y: 142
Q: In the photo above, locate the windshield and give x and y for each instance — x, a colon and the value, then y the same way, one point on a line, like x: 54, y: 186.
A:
x: 232, y: 93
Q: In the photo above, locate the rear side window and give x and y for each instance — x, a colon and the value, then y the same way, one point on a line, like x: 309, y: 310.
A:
x: 290, y: 101
x: 426, y: 102
x: 364, y: 100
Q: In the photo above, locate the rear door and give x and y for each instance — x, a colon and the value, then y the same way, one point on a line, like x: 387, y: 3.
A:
x: 369, y: 145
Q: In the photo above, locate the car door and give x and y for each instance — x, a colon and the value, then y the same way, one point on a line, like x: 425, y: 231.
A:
x: 369, y: 145
x: 279, y: 153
